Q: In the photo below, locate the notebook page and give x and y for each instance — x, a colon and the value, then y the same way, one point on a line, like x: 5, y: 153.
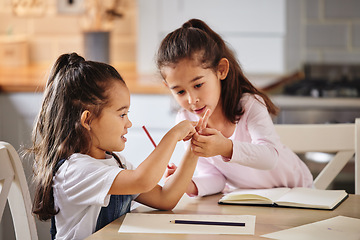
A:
x: 252, y: 194
x: 160, y: 223
x: 313, y: 197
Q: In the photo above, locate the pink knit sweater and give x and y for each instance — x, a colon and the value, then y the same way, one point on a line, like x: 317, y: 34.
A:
x: 259, y: 159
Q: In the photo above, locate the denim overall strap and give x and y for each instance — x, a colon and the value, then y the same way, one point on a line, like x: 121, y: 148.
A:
x: 53, y: 226
x: 118, y: 206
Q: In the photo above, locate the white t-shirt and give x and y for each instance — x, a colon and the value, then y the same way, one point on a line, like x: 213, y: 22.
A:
x: 81, y: 187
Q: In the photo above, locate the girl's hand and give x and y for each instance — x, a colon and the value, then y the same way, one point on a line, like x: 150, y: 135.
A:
x: 210, y: 143
x: 199, y: 126
x: 171, y: 168
x: 184, y: 130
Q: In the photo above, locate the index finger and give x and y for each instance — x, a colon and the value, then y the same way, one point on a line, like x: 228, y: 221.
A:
x: 199, y: 124
x: 205, y: 119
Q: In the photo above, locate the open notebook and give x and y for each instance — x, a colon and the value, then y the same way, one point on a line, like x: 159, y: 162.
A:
x: 287, y: 197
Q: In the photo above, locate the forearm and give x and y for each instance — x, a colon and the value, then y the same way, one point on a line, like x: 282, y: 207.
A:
x: 178, y: 184
x: 148, y: 173
x: 154, y: 166
x: 167, y: 197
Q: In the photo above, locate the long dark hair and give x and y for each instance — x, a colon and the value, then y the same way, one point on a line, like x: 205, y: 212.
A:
x: 74, y: 85
x: 196, y: 40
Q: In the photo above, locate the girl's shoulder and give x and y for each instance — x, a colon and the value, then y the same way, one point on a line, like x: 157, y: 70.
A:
x: 79, y: 159
x: 248, y: 99
x: 79, y: 165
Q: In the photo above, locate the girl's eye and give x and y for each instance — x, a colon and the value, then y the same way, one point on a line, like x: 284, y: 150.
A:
x: 180, y: 92
x: 123, y: 115
x: 198, y: 85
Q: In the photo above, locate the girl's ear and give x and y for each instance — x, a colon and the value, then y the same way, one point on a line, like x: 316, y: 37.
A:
x: 85, y: 119
x: 223, y: 68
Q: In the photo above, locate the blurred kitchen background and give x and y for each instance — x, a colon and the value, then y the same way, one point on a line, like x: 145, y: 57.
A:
x: 305, y: 53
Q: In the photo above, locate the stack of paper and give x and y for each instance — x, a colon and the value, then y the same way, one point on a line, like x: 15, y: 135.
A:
x: 336, y: 228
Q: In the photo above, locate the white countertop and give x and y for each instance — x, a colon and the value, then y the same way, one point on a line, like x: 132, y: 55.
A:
x: 284, y: 101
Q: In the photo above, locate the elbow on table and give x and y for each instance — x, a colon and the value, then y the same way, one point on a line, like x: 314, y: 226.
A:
x: 167, y: 205
x: 168, y: 201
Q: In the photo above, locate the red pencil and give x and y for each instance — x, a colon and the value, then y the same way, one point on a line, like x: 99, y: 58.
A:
x: 148, y: 134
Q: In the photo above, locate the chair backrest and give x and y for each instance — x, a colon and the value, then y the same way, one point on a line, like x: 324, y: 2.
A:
x: 14, y: 189
x: 341, y: 139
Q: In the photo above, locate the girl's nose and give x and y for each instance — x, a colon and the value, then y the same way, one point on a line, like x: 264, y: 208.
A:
x: 129, y: 124
x: 192, y: 99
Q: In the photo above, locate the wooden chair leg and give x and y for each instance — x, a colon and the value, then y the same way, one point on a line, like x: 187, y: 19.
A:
x: 332, y: 169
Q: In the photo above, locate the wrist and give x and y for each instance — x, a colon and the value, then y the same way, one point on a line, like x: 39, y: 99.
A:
x: 228, y: 149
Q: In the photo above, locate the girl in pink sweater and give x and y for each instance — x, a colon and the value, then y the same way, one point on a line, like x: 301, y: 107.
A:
x: 239, y: 147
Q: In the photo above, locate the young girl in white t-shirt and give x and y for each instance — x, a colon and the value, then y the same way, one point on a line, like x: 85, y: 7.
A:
x: 81, y: 183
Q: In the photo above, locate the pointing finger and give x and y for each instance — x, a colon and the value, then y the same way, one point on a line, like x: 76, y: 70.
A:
x: 199, y: 124
x: 205, y: 119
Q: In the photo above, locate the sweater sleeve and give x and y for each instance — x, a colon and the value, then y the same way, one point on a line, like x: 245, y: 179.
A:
x: 209, y: 179
x: 260, y: 151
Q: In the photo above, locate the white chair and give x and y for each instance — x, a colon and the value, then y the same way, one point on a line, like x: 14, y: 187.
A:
x: 14, y: 189
x: 341, y: 139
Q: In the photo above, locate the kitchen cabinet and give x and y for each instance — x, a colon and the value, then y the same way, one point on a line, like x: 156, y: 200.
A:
x: 255, y: 29
x: 18, y: 112
x: 309, y: 110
